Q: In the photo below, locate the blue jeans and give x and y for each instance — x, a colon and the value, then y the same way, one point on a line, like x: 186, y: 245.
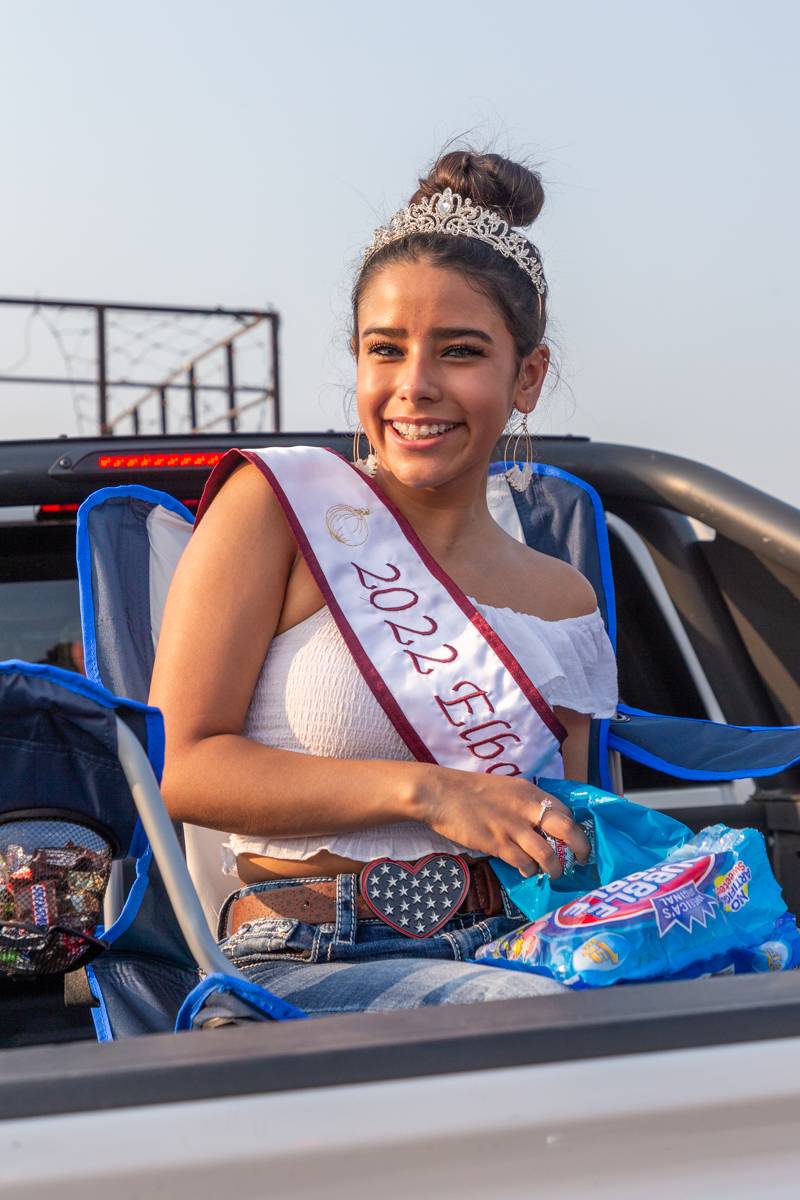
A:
x: 363, y: 965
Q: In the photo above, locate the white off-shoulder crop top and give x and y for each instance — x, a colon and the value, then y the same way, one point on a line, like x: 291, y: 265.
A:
x: 310, y: 697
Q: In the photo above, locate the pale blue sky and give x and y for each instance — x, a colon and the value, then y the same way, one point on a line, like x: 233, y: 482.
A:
x: 192, y: 151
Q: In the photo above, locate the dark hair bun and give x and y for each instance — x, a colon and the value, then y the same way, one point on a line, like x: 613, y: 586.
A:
x: 512, y: 190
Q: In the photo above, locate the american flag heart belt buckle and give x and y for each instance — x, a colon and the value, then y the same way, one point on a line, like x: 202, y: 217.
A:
x: 418, y: 898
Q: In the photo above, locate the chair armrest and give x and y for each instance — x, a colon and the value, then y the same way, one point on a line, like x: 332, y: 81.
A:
x: 687, y: 748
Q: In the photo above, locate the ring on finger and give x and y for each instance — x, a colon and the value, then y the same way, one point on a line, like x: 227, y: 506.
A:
x: 547, y: 804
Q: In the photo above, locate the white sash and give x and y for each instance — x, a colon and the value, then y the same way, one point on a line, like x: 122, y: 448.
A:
x: 450, y: 686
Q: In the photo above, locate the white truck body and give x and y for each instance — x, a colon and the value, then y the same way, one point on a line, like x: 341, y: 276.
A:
x: 720, y: 1121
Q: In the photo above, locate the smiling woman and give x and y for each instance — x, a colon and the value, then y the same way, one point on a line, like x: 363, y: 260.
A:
x: 438, y: 373
x: 450, y: 264
x: 386, y: 670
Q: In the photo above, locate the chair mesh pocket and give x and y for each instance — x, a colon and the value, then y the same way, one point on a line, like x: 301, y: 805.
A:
x: 53, y: 876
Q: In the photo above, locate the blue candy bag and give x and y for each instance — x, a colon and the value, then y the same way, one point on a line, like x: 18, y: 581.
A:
x: 780, y: 952
x: 626, y: 837
x: 711, y: 904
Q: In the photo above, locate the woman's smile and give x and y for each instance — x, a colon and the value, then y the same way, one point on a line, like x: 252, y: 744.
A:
x: 421, y: 433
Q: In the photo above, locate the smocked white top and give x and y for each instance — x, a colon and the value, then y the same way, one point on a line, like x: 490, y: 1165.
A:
x: 310, y: 697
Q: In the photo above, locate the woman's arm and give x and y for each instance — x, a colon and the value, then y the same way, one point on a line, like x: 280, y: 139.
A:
x: 239, y: 582
x: 235, y: 585
x: 575, y: 751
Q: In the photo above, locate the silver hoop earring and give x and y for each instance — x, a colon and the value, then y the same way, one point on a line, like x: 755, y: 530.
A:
x: 368, y: 465
x: 519, y: 474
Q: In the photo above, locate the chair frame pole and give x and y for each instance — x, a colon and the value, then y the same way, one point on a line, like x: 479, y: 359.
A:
x: 167, y: 852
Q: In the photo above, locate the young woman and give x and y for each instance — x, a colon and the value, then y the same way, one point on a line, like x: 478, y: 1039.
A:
x: 274, y: 731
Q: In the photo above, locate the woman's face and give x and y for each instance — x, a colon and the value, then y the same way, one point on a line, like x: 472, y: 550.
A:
x: 437, y: 374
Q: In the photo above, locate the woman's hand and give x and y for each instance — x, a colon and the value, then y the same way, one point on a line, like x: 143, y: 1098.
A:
x: 500, y: 816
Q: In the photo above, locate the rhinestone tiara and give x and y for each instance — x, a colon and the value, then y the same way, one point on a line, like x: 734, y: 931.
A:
x: 447, y: 212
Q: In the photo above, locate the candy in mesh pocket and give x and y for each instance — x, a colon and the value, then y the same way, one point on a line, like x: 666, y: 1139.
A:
x: 53, y: 876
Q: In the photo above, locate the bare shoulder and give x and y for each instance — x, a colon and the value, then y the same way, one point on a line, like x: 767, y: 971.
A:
x: 241, y: 547
x: 245, y: 511
x: 226, y: 596
x: 245, y: 539
x: 554, y: 590
x: 244, y: 492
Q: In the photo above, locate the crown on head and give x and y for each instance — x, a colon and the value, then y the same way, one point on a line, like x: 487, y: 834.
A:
x: 447, y: 212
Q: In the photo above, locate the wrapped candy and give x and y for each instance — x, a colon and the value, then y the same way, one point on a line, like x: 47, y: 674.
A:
x: 7, y: 904
x: 16, y: 857
x: 36, y: 903
x: 51, y: 897
x: 711, y: 904
x: 53, y: 862
x: 83, y: 898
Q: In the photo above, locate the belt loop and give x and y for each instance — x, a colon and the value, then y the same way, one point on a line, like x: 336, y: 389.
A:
x: 225, y: 915
x: 346, y: 909
x: 480, y: 877
x: 509, y: 908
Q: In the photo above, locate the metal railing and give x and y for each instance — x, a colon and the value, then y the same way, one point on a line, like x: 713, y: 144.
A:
x: 183, y: 383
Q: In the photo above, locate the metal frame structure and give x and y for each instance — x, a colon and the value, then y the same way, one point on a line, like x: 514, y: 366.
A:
x: 183, y: 379
x: 167, y: 852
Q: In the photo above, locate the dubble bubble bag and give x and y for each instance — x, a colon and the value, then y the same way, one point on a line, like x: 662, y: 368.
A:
x: 655, y: 902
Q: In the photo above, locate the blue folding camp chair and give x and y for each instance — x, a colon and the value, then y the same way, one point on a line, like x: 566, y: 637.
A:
x: 130, y: 539
x: 563, y: 515
x: 79, y: 794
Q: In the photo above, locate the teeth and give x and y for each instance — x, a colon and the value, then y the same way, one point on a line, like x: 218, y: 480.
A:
x: 407, y: 430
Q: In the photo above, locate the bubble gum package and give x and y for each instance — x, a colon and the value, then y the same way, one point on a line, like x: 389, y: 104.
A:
x: 780, y: 952
x: 711, y: 904
x: 624, y: 837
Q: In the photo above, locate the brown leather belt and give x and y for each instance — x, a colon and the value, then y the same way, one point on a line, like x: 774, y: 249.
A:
x: 314, y: 901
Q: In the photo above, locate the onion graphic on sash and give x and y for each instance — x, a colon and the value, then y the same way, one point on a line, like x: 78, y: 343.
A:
x: 347, y: 525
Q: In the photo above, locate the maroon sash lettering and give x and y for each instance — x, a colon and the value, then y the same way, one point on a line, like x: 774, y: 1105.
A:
x: 451, y: 687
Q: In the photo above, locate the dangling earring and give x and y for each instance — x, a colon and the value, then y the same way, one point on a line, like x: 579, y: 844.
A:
x: 368, y: 465
x: 519, y: 474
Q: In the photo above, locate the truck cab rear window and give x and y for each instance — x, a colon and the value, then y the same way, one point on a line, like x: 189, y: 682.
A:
x: 40, y: 622
x: 39, y: 607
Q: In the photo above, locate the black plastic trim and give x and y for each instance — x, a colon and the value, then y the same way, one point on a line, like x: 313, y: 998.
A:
x: 39, y: 472
x: 42, y: 471
x: 749, y: 517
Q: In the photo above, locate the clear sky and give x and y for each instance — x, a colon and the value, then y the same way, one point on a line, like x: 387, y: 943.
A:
x: 240, y: 153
